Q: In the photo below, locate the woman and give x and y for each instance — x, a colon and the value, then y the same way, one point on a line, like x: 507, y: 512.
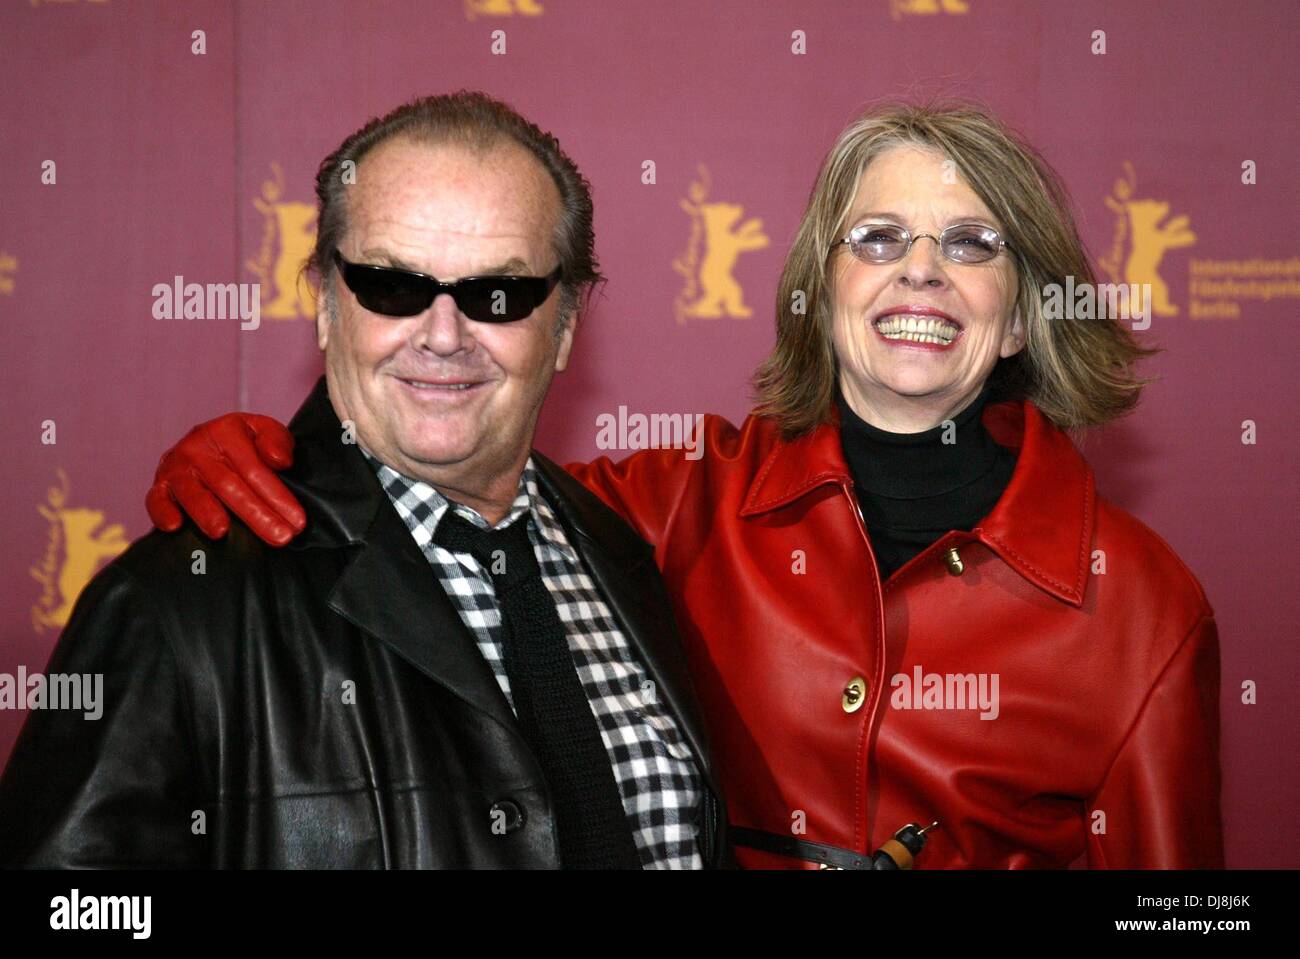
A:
x: 902, y: 600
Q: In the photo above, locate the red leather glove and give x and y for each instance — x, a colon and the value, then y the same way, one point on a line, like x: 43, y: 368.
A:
x: 228, y: 456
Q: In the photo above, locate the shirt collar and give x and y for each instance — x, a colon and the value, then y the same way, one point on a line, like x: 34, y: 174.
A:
x: 918, y: 466
x: 528, y: 500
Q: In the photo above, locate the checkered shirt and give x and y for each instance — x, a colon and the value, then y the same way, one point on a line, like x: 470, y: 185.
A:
x: 653, y: 765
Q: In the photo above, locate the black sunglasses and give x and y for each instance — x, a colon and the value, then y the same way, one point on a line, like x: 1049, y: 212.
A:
x: 485, y: 299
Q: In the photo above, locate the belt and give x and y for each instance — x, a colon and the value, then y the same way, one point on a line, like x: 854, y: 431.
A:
x: 897, y: 853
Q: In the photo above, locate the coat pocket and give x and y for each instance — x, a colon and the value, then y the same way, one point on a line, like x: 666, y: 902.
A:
x: 326, y: 830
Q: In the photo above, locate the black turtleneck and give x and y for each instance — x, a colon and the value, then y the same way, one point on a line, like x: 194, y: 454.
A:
x: 913, y: 488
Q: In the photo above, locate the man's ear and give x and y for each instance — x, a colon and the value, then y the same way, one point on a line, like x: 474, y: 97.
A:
x: 1013, y: 341
x: 325, y: 312
x: 566, y: 343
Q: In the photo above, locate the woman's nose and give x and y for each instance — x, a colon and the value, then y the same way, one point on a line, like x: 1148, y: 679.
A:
x: 922, y: 264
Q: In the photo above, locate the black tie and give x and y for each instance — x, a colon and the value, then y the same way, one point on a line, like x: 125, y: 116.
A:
x: 554, y: 713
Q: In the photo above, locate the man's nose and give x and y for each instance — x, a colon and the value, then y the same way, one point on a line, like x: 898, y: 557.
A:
x: 923, y: 264
x: 443, y: 329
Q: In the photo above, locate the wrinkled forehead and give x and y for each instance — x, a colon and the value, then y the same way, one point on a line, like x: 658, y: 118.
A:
x: 437, y: 205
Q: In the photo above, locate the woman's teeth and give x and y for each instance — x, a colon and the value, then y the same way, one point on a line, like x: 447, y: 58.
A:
x: 917, y: 329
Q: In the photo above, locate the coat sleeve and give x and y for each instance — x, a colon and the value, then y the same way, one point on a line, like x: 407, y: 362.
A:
x: 115, y: 790
x: 1160, y: 795
x: 647, y: 488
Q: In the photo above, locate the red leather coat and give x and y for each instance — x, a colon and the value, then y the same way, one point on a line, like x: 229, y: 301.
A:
x: 1103, y: 734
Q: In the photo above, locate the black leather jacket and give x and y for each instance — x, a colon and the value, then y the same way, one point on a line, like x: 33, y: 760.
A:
x: 320, y: 705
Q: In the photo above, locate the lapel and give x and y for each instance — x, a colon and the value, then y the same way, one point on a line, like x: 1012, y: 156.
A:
x: 1041, y: 527
x: 387, y: 589
x: 623, y: 567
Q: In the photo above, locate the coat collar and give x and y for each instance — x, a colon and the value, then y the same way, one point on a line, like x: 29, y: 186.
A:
x: 389, y: 590
x: 335, y: 478
x: 1041, y: 526
x: 386, y: 587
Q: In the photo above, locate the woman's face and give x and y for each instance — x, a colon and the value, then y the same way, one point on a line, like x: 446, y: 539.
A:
x: 911, y: 382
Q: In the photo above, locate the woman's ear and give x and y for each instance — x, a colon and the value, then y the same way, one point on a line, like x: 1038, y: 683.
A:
x: 1013, y: 341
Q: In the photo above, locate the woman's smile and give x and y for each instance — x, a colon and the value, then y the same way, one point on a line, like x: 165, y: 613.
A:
x: 918, y: 328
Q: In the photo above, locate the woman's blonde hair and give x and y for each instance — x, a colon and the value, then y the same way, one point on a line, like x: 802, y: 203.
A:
x: 1078, y: 372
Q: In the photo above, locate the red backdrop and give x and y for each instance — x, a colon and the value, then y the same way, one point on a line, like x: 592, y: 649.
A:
x: 192, y: 154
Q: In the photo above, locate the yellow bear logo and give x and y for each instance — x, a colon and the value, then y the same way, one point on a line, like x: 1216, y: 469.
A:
x: 718, y: 237
x: 288, y: 235
x: 76, y: 548
x: 1141, y: 240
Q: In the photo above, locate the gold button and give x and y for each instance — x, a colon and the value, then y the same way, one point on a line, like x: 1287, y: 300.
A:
x: 855, y: 694
x: 953, y: 559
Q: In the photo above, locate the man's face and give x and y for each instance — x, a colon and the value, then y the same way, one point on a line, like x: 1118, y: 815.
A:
x: 438, y: 396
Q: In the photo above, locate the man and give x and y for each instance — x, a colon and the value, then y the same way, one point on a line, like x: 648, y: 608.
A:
x: 466, y: 660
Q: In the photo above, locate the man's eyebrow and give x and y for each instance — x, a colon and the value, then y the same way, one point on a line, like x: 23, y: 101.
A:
x: 511, y: 267
x: 389, y: 259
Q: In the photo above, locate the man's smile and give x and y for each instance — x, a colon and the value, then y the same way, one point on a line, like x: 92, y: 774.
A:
x: 442, y: 390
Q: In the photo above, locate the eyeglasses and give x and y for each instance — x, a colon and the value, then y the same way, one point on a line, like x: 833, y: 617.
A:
x: 485, y: 299
x: 887, y: 242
